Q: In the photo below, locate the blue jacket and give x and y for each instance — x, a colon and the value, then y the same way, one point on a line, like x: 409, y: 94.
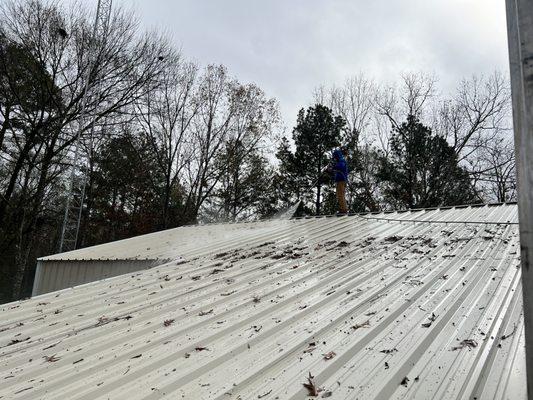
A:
x: 340, y: 168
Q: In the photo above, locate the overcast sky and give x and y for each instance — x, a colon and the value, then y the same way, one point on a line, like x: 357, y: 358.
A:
x: 288, y: 47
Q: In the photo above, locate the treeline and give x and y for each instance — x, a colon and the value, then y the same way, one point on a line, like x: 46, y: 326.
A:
x: 164, y: 142
x: 407, y: 145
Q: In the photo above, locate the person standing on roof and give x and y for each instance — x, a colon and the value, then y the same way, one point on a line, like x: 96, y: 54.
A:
x: 339, y: 168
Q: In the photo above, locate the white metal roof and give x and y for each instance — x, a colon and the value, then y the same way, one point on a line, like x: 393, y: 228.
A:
x: 373, y: 307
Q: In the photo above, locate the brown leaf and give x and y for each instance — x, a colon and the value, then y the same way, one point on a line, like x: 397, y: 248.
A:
x: 510, y: 334
x: 327, y: 394
x: 311, y: 387
x: 260, y: 396
x: 388, y: 351
x: 168, y: 322
x: 330, y: 355
x: 137, y: 356
x: 312, y: 346
x: 51, y: 358
x: 469, y: 343
x: 15, y: 341
x: 202, y: 313
x: 216, y: 271
x: 365, y: 324
x: 404, y: 381
x: 200, y: 348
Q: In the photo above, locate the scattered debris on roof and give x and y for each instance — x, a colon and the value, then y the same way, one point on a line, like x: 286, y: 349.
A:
x: 380, y: 306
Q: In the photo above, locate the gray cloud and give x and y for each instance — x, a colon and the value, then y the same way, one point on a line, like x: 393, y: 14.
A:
x: 288, y: 47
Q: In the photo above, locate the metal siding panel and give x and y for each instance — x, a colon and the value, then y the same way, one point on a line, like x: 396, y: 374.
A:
x: 279, y: 287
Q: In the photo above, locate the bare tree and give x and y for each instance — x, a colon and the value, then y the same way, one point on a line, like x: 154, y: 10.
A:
x: 478, y: 113
x: 210, y: 130
x: 494, y: 171
x: 164, y: 115
x: 412, y: 97
x: 242, y: 163
x: 44, y: 61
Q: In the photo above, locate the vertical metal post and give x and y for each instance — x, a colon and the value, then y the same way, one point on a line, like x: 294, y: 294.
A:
x: 74, y: 212
x: 520, y: 39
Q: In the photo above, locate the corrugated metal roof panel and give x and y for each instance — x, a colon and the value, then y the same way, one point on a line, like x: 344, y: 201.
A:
x: 372, y: 309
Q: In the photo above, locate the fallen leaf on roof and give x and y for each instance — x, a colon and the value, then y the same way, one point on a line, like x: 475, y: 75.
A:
x: 15, y: 341
x: 23, y: 390
x: 216, y: 271
x: 311, y: 348
x: 370, y: 313
x: 202, y: 313
x: 137, y: 356
x: 365, y: 324
x: 168, y: 322
x: 393, y: 239
x: 195, y: 278
x: 51, y: 358
x: 52, y: 345
x: 228, y: 293
x: 469, y: 343
x: 404, y: 381
x: 77, y: 361
x: 388, y: 351
x: 260, y: 396
x: 102, y: 321
x: 330, y: 355
x: 510, y: 334
x: 311, y: 387
x: 200, y: 348
x: 327, y: 394
x: 256, y: 299
x: 343, y: 244
x: 277, y: 256
x: 386, y: 365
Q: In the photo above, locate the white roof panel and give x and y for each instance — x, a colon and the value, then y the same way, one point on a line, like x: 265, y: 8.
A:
x: 373, y: 307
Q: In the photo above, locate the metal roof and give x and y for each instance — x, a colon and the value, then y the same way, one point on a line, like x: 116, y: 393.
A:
x: 412, y: 305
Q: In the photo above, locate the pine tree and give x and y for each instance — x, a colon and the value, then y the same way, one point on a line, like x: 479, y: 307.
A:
x: 316, y: 133
x: 422, y: 170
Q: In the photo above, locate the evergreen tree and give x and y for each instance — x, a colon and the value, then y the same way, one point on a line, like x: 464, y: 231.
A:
x: 128, y: 191
x: 244, y: 188
x: 422, y: 170
x: 316, y: 133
